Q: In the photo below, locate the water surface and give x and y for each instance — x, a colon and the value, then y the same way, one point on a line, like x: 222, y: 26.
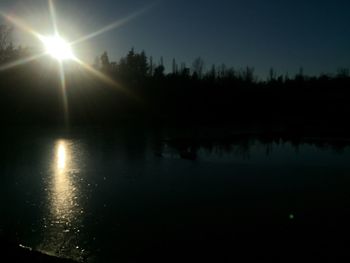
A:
x: 126, y: 194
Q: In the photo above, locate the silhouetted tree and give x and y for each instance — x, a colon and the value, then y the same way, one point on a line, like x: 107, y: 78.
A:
x: 286, y: 77
x: 230, y: 74
x: 175, y: 67
x: 134, y: 67
x: 159, y: 72
x: 169, y: 94
x: 211, y: 74
x: 97, y: 63
x: 343, y: 73
x: 300, y: 76
x: 142, y: 64
x: 113, y: 66
x: 272, y: 75
x: 105, y: 61
x: 6, y: 45
x: 151, y: 66
x: 222, y: 71
x: 213, y: 71
x: 184, y: 71
x: 198, y: 67
x: 248, y: 75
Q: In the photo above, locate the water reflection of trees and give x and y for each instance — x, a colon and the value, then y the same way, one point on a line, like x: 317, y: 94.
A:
x: 242, y: 145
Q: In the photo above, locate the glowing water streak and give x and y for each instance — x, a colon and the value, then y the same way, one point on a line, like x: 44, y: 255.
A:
x: 63, y: 218
x: 61, y: 156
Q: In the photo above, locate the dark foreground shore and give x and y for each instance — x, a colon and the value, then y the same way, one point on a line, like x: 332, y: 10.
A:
x: 18, y: 253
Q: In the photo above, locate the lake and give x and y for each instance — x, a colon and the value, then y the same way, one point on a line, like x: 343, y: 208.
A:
x: 127, y: 194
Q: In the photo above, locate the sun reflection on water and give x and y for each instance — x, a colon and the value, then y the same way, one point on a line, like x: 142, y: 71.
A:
x: 62, y: 222
x: 63, y: 194
x: 61, y: 155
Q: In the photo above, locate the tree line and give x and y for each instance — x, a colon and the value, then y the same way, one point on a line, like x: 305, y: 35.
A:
x: 31, y: 93
x: 138, y: 67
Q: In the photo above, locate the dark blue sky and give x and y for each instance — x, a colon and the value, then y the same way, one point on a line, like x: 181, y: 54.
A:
x: 281, y: 34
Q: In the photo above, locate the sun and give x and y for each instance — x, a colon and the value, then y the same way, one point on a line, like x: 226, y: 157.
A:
x: 57, y: 47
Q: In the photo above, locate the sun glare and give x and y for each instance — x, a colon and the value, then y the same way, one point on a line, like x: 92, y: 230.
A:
x: 58, y: 48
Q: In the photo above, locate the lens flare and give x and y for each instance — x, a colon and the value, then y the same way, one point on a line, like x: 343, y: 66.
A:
x: 57, y: 47
x: 61, y: 50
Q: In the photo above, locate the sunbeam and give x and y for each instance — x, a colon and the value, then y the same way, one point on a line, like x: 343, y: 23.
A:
x: 106, y: 79
x: 112, y: 26
x: 97, y: 73
x: 61, y: 50
x: 64, y: 94
x: 20, y: 62
x: 53, y: 16
x: 20, y: 24
x: 57, y: 47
